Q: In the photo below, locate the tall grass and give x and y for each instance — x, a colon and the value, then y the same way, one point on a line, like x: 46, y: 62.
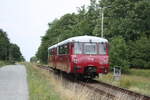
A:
x: 48, y: 86
x: 39, y: 87
x: 66, y: 90
x: 137, y: 80
x: 140, y: 72
x: 3, y: 63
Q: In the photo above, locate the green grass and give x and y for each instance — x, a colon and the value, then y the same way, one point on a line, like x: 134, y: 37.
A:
x: 39, y: 86
x: 140, y: 72
x: 3, y: 63
x: 138, y: 80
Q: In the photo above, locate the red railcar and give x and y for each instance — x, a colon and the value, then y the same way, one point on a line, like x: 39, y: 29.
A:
x: 81, y: 55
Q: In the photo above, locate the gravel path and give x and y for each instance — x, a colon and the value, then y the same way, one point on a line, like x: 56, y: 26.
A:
x: 13, y: 83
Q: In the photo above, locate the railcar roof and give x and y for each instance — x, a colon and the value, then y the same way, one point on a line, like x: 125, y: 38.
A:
x: 80, y: 39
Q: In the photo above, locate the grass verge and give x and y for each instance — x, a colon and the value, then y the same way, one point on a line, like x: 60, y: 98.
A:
x: 138, y: 80
x: 39, y: 86
x: 3, y: 63
x: 47, y: 86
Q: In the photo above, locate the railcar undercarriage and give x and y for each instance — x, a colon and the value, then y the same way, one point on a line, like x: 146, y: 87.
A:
x: 90, y: 72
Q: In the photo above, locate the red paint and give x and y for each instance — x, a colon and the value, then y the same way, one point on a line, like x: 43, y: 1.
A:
x: 68, y: 62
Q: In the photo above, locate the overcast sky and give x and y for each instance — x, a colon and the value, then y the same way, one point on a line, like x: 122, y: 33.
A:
x: 25, y: 21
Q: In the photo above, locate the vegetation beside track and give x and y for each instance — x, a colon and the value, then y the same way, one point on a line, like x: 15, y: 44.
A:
x: 44, y: 86
x: 39, y: 85
x: 137, y: 80
x: 3, y: 63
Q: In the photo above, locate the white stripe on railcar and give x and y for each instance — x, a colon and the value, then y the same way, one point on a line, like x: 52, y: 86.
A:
x: 80, y: 39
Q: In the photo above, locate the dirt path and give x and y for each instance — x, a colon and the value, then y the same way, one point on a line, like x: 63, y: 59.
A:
x: 13, y: 83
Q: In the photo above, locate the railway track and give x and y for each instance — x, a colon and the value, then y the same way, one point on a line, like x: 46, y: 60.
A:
x: 110, y: 91
x: 118, y: 93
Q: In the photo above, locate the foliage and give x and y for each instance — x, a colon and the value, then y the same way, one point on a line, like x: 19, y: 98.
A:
x: 15, y: 54
x: 8, y: 51
x: 139, y: 53
x: 138, y: 80
x: 129, y: 19
x: 118, y: 53
x: 4, y: 45
x: 33, y: 59
x: 3, y: 63
x: 125, y: 20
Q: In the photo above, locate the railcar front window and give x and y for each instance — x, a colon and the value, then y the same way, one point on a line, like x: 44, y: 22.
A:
x: 102, y: 48
x: 78, y: 48
x: 90, y: 48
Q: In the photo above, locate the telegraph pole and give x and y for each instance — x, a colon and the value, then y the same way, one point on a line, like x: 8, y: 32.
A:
x: 102, y: 21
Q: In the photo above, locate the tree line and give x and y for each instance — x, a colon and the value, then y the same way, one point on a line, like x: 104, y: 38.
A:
x: 126, y: 26
x: 9, y: 52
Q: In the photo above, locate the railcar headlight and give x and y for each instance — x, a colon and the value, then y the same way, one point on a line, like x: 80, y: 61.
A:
x: 75, y: 60
x: 104, y: 61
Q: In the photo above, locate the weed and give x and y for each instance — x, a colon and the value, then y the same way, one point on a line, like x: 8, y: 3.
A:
x: 39, y: 87
x: 138, y: 80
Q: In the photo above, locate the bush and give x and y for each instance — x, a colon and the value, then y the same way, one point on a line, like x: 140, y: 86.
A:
x: 3, y: 63
x: 139, y: 53
x: 118, y: 53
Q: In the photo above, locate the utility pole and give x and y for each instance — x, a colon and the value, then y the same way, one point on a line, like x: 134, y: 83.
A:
x: 102, y: 21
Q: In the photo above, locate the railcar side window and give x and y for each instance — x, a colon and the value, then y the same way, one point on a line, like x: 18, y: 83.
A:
x: 78, y: 48
x: 60, y: 50
x: 63, y: 49
x: 66, y: 49
x: 102, y: 48
x: 90, y: 48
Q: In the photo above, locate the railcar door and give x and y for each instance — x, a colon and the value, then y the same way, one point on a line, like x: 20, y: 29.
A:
x: 63, y: 57
x: 54, y: 57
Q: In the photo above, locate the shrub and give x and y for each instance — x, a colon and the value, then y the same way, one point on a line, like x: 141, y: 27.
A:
x: 118, y: 53
x: 139, y: 53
